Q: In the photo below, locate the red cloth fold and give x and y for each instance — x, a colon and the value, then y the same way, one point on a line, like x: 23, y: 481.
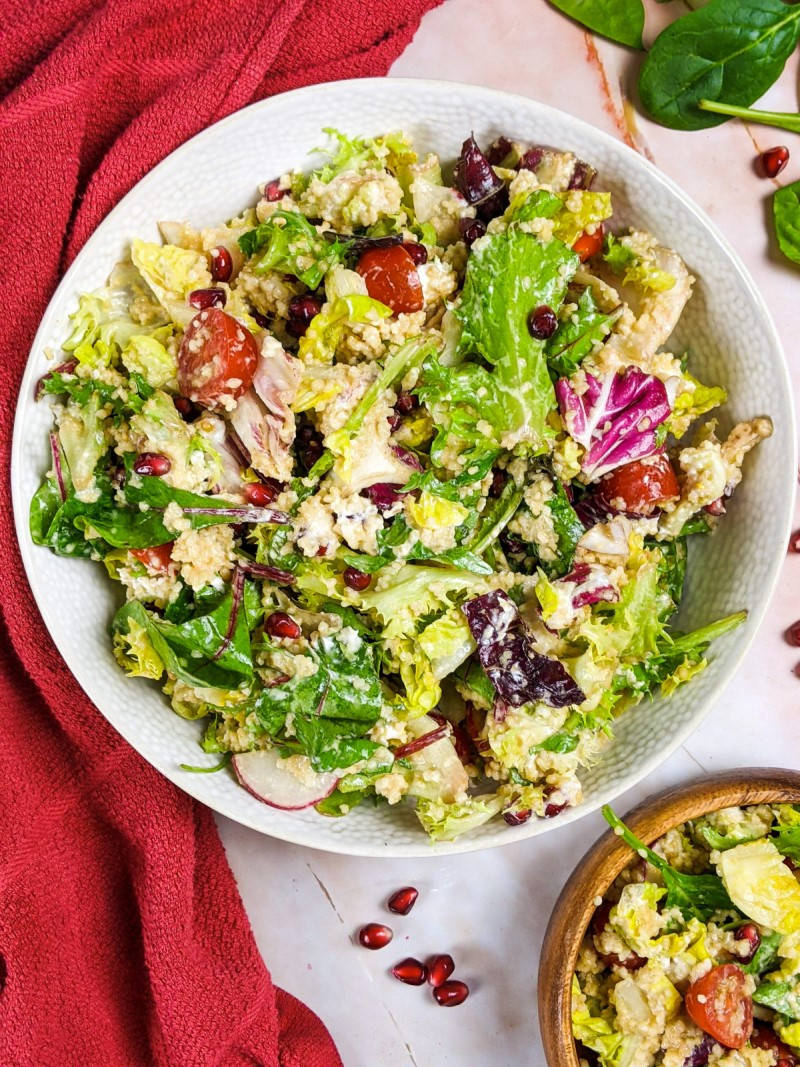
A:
x: 123, y: 941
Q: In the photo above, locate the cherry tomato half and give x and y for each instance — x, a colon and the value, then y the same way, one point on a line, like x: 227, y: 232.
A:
x: 640, y: 487
x: 589, y: 243
x: 157, y: 559
x: 217, y: 359
x: 717, y: 1002
x: 392, y: 277
x: 766, y: 1038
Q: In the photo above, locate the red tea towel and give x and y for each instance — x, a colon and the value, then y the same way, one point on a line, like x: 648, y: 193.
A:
x: 123, y: 941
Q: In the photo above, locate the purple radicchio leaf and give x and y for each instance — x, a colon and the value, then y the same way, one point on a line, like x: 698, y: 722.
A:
x: 700, y: 1054
x: 615, y: 418
x: 592, y: 584
x: 505, y: 649
x: 384, y: 495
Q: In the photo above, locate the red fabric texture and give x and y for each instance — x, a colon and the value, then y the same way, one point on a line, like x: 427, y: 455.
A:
x: 123, y: 940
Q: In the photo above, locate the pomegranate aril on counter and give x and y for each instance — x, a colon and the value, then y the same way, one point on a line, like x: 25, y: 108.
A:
x: 403, y: 900
x: 451, y: 994
x: 794, y: 542
x: 375, y: 935
x: 793, y: 634
x: 440, y: 968
x: 221, y: 264
x: 279, y: 624
x: 152, y: 463
x: 410, y: 971
x: 774, y: 160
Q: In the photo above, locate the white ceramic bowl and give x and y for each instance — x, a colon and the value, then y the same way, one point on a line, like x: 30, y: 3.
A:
x: 726, y: 327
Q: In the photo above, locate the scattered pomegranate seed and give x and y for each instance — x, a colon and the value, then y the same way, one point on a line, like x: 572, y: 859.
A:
x: 793, y: 634
x: 717, y: 507
x: 221, y: 264
x: 356, y: 579
x: 451, y: 994
x: 375, y: 935
x: 439, y: 969
x: 273, y: 191
x: 403, y: 900
x: 794, y: 542
x: 517, y: 818
x: 394, y: 421
x: 774, y: 160
x: 499, y: 479
x: 796, y: 671
x: 152, y: 463
x: 551, y: 810
x: 406, y: 403
x: 749, y: 933
x: 207, y: 298
x: 302, y: 310
x: 279, y: 624
x: 410, y: 971
x: 263, y: 321
x: 260, y: 494
x: 185, y: 408
x: 498, y: 150
x: 418, y: 252
x: 542, y: 322
x: 471, y: 230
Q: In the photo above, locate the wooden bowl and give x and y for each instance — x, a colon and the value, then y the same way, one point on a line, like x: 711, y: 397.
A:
x: 604, y: 861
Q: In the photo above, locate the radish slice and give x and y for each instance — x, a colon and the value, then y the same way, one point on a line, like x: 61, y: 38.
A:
x: 261, y: 775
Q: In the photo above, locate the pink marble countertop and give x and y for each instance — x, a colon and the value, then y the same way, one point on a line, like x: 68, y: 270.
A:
x: 490, y: 909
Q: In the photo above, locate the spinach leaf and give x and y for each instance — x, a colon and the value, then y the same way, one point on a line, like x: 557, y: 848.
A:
x: 575, y: 338
x: 620, y: 20
x: 331, y: 709
x: 766, y: 954
x: 694, y: 895
x: 563, y: 741
x: 568, y: 528
x: 783, y: 997
x: 729, y: 51
x: 787, y: 842
x: 786, y: 213
x: 339, y: 803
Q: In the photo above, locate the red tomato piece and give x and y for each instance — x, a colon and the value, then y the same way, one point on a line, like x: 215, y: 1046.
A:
x: 392, y: 277
x: 640, y: 487
x: 718, y: 1004
x: 588, y: 244
x: 217, y: 359
x: 157, y: 559
x: 766, y: 1038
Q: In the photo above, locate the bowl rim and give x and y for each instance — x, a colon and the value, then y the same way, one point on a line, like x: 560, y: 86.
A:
x: 608, y: 856
x: 66, y: 290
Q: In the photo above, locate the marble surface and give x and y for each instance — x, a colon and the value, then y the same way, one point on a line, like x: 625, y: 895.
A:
x: 490, y: 909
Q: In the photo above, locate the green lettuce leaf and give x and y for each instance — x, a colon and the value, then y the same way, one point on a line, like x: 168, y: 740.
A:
x: 577, y: 335
x: 287, y: 242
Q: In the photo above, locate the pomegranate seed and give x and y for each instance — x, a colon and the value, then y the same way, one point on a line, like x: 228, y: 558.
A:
x: 185, y: 408
x: 794, y: 542
x: 355, y: 579
x: 517, y: 818
x: 793, y: 634
x: 717, y: 507
x: 207, y: 298
x: 418, y: 252
x: 273, y: 191
x: 551, y: 810
x: 406, y: 403
x: 375, y: 935
x: 542, y: 322
x: 439, y: 969
x: 221, y: 264
x: 403, y: 900
x: 152, y: 463
x: 774, y: 160
x: 264, y: 321
x: 531, y: 159
x: 279, y: 624
x: 322, y: 550
x: 471, y: 230
x: 394, y: 422
x: 749, y: 933
x: 599, y: 922
x: 498, y: 150
x: 410, y: 971
x: 260, y: 494
x: 766, y: 1038
x: 451, y: 994
x: 302, y: 310
x: 499, y: 479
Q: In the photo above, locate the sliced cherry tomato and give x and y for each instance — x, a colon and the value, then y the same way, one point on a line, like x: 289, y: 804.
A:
x: 764, y: 1037
x: 589, y: 243
x: 392, y: 277
x: 217, y: 359
x: 158, y: 558
x: 640, y: 487
x: 717, y: 1002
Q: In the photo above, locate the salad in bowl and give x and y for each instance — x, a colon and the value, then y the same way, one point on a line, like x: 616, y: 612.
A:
x: 396, y: 475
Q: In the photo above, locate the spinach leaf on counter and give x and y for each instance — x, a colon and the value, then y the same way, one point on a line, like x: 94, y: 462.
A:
x: 621, y: 20
x: 786, y: 213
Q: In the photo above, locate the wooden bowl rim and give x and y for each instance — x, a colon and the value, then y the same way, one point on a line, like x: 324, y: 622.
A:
x: 608, y: 856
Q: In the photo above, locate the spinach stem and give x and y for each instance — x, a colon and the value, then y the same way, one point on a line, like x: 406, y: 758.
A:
x: 786, y: 120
